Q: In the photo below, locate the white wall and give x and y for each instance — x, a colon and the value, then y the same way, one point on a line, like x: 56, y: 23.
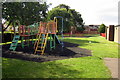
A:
x: 117, y: 34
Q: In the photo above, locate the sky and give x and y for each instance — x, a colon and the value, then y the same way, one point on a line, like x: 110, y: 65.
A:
x: 93, y: 12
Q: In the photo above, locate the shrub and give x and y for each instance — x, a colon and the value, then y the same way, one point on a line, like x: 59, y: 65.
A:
x: 80, y: 29
x: 102, y: 28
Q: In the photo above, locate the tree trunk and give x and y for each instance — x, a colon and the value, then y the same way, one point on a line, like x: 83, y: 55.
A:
x: 3, y: 29
x: 2, y: 34
x: 6, y: 27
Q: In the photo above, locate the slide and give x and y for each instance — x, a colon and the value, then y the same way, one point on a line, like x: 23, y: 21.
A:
x: 56, y: 38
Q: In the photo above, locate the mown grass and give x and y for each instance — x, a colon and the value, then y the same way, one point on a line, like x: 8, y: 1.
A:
x: 99, y: 46
x: 83, y: 67
x: 80, y: 35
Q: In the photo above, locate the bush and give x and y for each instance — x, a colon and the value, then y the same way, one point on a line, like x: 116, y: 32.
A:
x: 102, y: 28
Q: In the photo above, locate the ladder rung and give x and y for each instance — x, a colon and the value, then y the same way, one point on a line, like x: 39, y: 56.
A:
x: 40, y: 47
x: 17, y: 38
x: 11, y: 49
x: 52, y: 47
x: 39, y: 50
x: 13, y: 45
x: 42, y: 43
x: 13, y: 42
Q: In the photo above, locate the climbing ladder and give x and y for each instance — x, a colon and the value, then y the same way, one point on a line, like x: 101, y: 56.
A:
x: 14, y: 42
x: 40, y: 44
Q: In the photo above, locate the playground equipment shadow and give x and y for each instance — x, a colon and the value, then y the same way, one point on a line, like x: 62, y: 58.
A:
x: 70, y: 50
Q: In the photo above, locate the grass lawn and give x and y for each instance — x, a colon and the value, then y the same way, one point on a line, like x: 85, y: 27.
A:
x: 83, y: 67
x: 99, y: 45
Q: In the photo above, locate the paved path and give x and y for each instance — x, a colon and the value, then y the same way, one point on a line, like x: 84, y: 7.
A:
x: 112, y: 64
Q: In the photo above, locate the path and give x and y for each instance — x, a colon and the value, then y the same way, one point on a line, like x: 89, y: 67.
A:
x: 112, y: 64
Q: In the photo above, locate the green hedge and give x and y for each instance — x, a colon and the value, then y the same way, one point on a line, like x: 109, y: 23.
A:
x: 102, y: 28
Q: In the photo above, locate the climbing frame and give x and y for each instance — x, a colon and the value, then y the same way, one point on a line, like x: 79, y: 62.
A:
x: 40, y: 44
x: 14, y: 42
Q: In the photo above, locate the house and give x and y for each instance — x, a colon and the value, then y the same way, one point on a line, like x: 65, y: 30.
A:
x: 91, y: 29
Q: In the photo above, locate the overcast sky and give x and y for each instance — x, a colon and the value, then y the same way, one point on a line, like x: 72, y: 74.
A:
x: 93, y: 11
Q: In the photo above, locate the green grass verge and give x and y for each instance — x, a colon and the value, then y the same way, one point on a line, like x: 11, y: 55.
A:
x: 85, y: 67
x: 80, y: 35
x: 99, y: 46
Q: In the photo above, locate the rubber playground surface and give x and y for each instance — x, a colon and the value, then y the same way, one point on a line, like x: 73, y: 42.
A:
x: 70, y: 50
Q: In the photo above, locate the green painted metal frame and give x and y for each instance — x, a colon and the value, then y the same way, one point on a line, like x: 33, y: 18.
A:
x: 14, y: 43
x: 52, y: 42
x: 23, y: 44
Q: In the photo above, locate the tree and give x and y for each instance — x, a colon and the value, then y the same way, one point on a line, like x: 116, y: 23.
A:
x: 71, y: 17
x: 80, y: 29
x: 63, y: 6
x: 102, y: 28
x: 25, y: 12
x: 60, y: 12
x: 77, y: 20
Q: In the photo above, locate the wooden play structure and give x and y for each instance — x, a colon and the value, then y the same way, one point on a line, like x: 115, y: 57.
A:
x: 42, y: 31
x: 46, y: 29
x: 24, y: 32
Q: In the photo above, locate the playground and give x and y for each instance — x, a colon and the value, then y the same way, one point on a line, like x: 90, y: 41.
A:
x: 40, y: 48
x: 40, y: 42
x: 46, y: 47
x: 42, y: 31
x: 55, y: 43
x: 19, y: 63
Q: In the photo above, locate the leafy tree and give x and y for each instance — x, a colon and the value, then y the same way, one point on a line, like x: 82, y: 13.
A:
x: 60, y: 12
x: 25, y: 12
x: 77, y: 20
x: 102, y: 28
x: 80, y: 29
x: 71, y: 17
x: 63, y: 6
